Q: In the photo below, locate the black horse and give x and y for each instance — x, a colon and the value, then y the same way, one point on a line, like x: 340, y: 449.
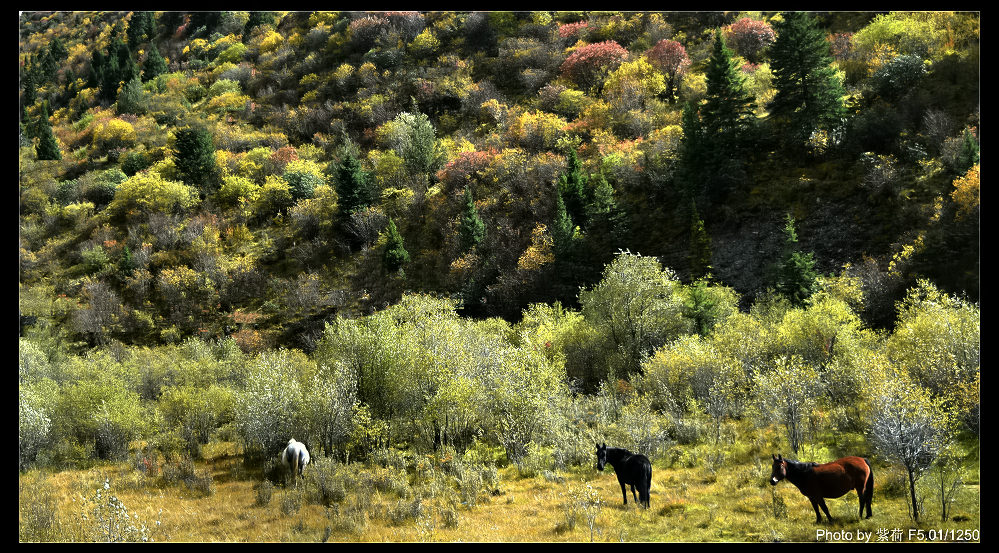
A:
x: 631, y: 468
x: 835, y: 479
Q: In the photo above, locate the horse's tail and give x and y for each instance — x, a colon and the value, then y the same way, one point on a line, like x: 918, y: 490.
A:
x: 293, y: 462
x: 647, y: 469
x: 303, y: 459
x: 869, y: 487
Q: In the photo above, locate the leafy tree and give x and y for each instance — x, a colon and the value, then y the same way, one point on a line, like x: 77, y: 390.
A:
x: 808, y: 95
x: 132, y: 98
x: 269, y: 407
x: 796, y: 275
x: 195, y: 159
x: 969, y: 153
x: 909, y: 427
x: 968, y: 191
x: 637, y: 307
x: 395, y: 251
x: 670, y: 57
x: 113, y: 137
x: 787, y: 395
x: 34, y: 424
x: 471, y: 230
x: 750, y: 37
x: 256, y: 19
x: 47, y: 147
x: 150, y: 193
x: 588, y: 65
x: 303, y: 177
x: 895, y: 78
x: 706, y: 305
x: 938, y: 340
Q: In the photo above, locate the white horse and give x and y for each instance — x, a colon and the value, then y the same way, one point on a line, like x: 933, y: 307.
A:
x: 294, y: 457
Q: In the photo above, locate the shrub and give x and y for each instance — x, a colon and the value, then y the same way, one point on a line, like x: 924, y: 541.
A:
x: 265, y: 490
x: 34, y: 425
x: 133, y: 162
x: 108, y: 520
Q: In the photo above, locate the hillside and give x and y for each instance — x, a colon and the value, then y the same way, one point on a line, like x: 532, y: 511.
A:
x: 427, y: 104
x: 452, y: 251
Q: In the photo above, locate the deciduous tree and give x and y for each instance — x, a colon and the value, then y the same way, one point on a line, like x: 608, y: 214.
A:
x: 670, y: 57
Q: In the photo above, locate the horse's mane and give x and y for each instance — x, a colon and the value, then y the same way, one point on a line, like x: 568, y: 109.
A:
x: 800, y: 466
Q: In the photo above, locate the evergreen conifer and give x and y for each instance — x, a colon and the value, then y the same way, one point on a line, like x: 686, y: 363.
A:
x: 808, y: 94
x: 472, y: 230
x: 47, y: 147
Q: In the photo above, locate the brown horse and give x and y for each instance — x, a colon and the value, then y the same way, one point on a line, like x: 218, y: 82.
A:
x: 834, y: 479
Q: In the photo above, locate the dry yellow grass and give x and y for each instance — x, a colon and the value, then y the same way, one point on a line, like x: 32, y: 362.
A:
x: 687, y: 505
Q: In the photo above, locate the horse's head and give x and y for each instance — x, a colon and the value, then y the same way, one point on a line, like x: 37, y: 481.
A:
x: 779, y: 470
x: 601, y: 456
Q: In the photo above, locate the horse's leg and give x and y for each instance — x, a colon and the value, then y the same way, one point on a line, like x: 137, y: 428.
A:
x: 624, y: 491
x: 869, y: 492
x: 822, y: 503
x: 818, y: 515
x: 633, y: 493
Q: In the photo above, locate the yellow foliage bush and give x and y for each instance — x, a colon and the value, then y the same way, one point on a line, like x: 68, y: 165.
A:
x: 967, y: 191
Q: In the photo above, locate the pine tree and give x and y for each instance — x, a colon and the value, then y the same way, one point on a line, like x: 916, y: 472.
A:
x: 30, y: 94
x: 809, y: 96
x: 195, y: 160
x: 562, y: 227
x: 693, y: 154
x: 608, y: 225
x: 136, y: 32
x: 727, y: 113
x: 154, y: 65
x: 47, y: 147
x: 726, y: 123
x: 395, y: 251
x: 796, y: 276
x: 58, y: 49
x: 700, y: 247
x: 572, y: 186
x: 969, y: 155
x: 352, y: 186
x: 126, y: 265
x: 472, y: 230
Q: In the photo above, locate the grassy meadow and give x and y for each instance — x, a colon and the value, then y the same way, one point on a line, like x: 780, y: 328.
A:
x: 700, y: 493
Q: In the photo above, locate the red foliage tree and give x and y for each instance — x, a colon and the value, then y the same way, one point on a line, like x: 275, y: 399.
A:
x: 670, y: 57
x: 749, y: 37
x: 459, y: 170
x: 588, y: 65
